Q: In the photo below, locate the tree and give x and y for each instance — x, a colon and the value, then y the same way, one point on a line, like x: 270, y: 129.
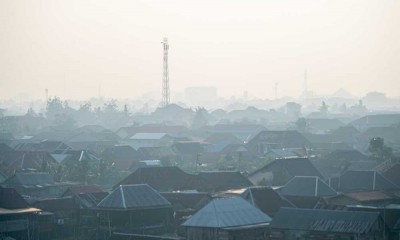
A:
x: 54, y: 107
x: 200, y: 118
x: 379, y: 151
x: 110, y: 107
x: 324, y: 108
x: 31, y: 112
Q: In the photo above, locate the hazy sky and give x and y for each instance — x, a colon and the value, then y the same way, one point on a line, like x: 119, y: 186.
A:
x: 73, y: 47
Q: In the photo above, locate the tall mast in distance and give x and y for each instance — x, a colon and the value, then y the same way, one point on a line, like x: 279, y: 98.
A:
x: 165, y: 79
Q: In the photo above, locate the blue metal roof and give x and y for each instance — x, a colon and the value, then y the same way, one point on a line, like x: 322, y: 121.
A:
x: 140, y: 196
x: 227, y: 212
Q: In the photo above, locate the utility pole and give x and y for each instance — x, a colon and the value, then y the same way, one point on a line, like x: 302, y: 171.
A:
x: 165, y: 79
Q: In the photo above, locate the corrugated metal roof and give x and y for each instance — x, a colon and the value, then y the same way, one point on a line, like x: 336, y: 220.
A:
x: 266, y: 199
x: 134, y: 197
x: 294, y: 166
x: 11, y: 199
x: 355, y: 222
x: 165, y: 179
x: 365, y: 181
x: 32, y: 178
x: 307, y: 186
x: 227, y: 212
x: 224, y: 180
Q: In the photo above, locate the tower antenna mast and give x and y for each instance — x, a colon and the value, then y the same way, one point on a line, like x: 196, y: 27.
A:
x: 165, y: 79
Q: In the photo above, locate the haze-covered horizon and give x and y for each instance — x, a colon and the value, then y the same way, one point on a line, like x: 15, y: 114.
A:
x: 85, y: 49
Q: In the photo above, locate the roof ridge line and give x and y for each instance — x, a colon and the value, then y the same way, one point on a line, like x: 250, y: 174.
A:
x: 123, y: 196
x: 215, y: 212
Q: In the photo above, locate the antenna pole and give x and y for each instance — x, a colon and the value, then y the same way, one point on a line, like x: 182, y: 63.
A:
x: 165, y: 79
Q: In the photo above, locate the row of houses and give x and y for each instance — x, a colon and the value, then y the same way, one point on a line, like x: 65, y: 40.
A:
x: 292, y: 194
x: 167, y: 201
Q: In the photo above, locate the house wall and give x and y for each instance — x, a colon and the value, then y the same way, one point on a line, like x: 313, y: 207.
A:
x: 198, y: 233
x: 153, y: 220
x: 310, y: 235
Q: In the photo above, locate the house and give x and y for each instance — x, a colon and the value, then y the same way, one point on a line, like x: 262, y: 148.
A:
x: 123, y: 156
x: 35, y: 184
x: 237, y: 151
x: 224, y: 180
x: 139, y: 140
x: 64, y: 215
x: 353, y: 181
x: 163, y: 153
x: 390, y: 214
x: 145, y: 163
x: 280, y: 171
x: 70, y: 157
x: 369, y: 198
x: 17, y: 218
x: 217, y: 138
x: 281, y: 153
x: 165, y: 179
x: 297, y: 223
x: 322, y: 125
x: 75, y: 190
x: 227, y: 218
x: 185, y: 204
x: 390, y: 134
x: 335, y: 163
x: 45, y: 145
x: 393, y: 174
x: 188, y: 151
x: 78, y: 165
x: 92, y: 140
x: 172, y: 130
x: 377, y: 120
x: 307, y: 186
x: 14, y: 161
x: 342, y: 138
x: 86, y: 198
x: 244, y: 132
x: 135, y: 209
x: 266, y: 199
x: 306, y: 191
x: 267, y: 140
